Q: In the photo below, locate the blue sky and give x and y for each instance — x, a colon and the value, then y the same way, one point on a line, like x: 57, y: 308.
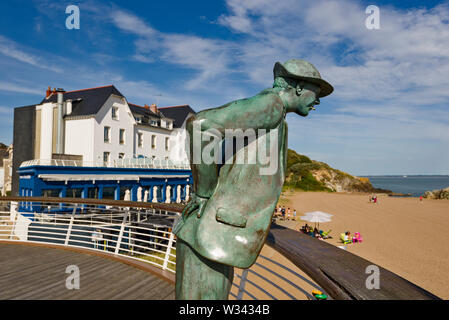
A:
x: 387, y: 115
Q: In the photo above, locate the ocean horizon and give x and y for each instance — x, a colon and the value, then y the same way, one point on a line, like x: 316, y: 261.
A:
x: 415, y: 185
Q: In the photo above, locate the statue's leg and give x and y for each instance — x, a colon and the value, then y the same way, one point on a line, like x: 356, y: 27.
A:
x: 198, y: 278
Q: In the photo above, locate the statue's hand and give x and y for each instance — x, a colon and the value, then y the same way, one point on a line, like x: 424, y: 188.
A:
x: 195, y: 203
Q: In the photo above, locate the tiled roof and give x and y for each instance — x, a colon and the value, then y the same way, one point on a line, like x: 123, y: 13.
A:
x: 91, y: 100
x: 139, y: 110
x: 178, y: 113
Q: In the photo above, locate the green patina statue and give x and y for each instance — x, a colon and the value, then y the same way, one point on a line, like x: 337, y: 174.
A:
x: 228, y: 218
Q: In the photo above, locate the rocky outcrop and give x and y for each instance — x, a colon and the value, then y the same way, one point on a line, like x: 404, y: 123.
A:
x: 309, y: 175
x: 437, y: 194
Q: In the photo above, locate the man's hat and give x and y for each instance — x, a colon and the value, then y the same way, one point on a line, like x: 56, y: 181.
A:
x: 300, y: 69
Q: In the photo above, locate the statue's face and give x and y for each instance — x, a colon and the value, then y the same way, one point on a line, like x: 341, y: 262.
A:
x: 306, y: 97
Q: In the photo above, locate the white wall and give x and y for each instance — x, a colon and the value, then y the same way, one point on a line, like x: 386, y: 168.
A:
x: 79, y: 138
x: 159, y: 152
x: 2, y: 177
x: 86, y: 136
x: 125, y: 121
x: 46, y: 130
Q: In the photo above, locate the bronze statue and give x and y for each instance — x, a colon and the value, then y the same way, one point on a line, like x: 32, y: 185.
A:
x: 228, y: 218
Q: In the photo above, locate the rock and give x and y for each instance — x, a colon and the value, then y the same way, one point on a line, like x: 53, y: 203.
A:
x: 437, y: 194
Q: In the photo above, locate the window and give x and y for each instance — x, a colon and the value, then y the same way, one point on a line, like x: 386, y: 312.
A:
x: 167, y: 143
x: 123, y: 191
x: 140, y: 139
x: 92, y: 193
x: 106, y: 157
x: 50, y: 193
x: 107, y: 134
x: 122, y: 136
x: 114, y: 113
x: 153, y: 142
x: 153, y: 122
x: 121, y: 155
x: 109, y: 193
x: 74, y: 192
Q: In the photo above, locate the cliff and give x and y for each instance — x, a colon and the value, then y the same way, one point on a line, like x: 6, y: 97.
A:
x: 437, y: 194
x: 310, y: 175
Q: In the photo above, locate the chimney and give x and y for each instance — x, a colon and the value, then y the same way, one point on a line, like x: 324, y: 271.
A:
x: 153, y: 108
x: 68, y: 107
x: 60, y: 124
x: 48, y: 92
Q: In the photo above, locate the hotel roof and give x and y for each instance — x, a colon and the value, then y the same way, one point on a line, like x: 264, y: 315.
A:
x: 179, y: 114
x: 89, y: 102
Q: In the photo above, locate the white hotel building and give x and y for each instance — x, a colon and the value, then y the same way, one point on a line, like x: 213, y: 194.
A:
x: 98, y: 128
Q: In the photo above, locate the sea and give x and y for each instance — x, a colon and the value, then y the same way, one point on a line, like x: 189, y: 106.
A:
x: 413, y: 185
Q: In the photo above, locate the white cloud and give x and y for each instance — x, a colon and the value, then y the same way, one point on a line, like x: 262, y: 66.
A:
x: 12, y: 87
x: 6, y: 110
x: 209, y: 57
x: 131, y: 23
x: 10, y: 49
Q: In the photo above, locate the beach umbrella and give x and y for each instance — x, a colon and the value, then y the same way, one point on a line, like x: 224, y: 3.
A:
x: 318, y: 214
x: 316, y: 218
x: 145, y: 196
x: 127, y: 196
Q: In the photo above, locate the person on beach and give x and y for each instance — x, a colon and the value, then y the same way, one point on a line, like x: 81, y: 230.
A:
x: 294, y: 214
x: 288, y: 214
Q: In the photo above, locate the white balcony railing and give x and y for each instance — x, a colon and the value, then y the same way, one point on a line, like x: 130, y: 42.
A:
x: 119, y: 163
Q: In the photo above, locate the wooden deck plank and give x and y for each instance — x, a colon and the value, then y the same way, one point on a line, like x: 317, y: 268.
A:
x: 37, y: 272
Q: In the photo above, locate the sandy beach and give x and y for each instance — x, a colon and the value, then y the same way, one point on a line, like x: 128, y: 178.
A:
x: 404, y: 235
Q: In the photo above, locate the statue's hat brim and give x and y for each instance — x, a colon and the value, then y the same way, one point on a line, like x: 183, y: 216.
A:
x: 315, y: 78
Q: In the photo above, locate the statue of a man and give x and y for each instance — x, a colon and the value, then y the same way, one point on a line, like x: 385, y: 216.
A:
x: 228, y: 218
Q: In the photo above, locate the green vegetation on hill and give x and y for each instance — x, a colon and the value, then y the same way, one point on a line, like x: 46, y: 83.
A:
x: 299, y: 173
x: 310, y: 175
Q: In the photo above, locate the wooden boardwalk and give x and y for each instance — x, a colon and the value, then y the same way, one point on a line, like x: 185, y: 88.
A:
x: 37, y: 272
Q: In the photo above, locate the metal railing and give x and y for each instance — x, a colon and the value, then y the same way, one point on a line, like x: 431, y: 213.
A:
x: 143, y: 163
x: 142, y: 234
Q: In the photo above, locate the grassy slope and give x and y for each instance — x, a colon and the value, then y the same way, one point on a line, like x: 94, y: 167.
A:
x: 302, y: 173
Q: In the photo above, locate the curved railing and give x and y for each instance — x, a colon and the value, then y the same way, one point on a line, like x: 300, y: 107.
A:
x: 142, y: 231
x: 142, y: 234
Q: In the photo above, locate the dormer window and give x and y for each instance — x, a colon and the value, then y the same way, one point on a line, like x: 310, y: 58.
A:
x: 139, y: 119
x: 114, y: 113
x: 153, y: 122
